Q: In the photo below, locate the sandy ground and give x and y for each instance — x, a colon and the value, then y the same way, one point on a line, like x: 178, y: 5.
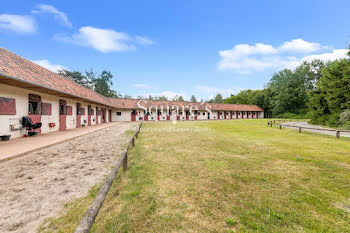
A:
x: 37, y: 185
x: 305, y: 124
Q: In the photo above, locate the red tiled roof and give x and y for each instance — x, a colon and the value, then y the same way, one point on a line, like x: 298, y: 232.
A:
x: 17, y: 67
x: 20, y: 68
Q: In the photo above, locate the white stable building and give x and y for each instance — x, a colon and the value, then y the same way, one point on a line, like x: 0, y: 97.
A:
x: 27, y: 89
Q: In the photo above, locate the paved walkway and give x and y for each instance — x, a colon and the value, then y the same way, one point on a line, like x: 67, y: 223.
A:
x: 21, y: 146
x: 305, y: 124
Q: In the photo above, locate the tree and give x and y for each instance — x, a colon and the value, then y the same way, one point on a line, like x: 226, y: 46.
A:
x: 126, y: 96
x: 77, y: 77
x: 103, y: 83
x: 178, y: 98
x: 218, y: 99
x: 243, y: 97
x: 332, y: 95
x: 263, y: 99
x: 193, y: 99
x: 164, y: 98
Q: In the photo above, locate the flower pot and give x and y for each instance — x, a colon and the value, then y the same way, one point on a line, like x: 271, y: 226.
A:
x: 5, y: 137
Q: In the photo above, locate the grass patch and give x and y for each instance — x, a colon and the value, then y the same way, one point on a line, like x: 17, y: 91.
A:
x: 240, y: 176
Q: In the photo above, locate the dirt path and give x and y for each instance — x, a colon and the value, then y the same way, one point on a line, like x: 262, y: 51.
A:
x: 37, y: 185
x: 305, y: 124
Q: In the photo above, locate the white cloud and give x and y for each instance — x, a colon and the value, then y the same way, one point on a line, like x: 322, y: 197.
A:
x: 18, y: 23
x: 59, y: 16
x: 103, y: 40
x: 142, y: 85
x: 144, y: 40
x: 246, y: 59
x: 332, y: 56
x: 300, y: 46
x: 47, y: 64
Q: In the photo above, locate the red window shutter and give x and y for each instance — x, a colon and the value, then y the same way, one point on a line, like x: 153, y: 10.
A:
x: 69, y: 110
x: 46, y: 109
x: 7, y: 106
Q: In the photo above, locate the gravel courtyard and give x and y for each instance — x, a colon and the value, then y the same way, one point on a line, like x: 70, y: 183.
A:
x: 37, y: 185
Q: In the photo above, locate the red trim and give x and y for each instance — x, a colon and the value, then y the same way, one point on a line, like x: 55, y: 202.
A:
x: 133, y: 117
x: 36, y: 119
x: 78, y: 124
x: 62, y: 122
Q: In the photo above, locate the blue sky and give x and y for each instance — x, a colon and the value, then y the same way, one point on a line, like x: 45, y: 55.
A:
x: 200, y: 47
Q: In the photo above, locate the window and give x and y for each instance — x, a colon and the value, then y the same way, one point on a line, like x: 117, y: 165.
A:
x: 34, y: 107
x: 203, y: 113
x: 69, y: 110
x: 7, y: 106
x: 119, y: 113
x: 63, y: 107
x: 46, y: 109
x: 78, y: 109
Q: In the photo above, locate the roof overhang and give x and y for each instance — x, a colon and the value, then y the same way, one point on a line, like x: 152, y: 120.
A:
x: 20, y: 83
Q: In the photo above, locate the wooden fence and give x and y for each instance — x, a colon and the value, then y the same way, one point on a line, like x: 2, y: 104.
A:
x: 90, y: 215
x: 337, y: 131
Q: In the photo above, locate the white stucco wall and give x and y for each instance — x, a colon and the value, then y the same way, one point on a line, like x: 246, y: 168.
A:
x: 21, y: 97
x: 125, y: 115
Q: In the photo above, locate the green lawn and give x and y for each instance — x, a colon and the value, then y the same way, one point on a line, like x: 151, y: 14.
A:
x: 239, y: 176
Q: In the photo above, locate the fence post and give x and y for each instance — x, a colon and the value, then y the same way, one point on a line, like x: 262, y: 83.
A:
x: 280, y: 126
x: 125, y: 161
x: 271, y: 124
x: 299, y: 129
x: 133, y: 142
x: 338, y: 134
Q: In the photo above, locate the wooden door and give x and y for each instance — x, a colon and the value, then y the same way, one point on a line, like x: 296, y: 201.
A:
x: 78, y: 125
x: 133, y: 117
x: 62, y: 121
x: 36, y: 119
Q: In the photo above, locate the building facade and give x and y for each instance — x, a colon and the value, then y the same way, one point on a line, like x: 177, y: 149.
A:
x: 27, y: 89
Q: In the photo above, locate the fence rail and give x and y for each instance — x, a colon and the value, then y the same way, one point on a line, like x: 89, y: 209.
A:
x: 337, y: 131
x: 88, y: 220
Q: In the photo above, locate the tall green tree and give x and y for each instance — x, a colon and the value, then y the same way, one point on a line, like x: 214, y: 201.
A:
x: 218, y: 99
x: 77, y: 77
x: 103, y: 83
x: 193, y: 99
x: 332, y: 94
x: 243, y: 97
x: 290, y: 87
